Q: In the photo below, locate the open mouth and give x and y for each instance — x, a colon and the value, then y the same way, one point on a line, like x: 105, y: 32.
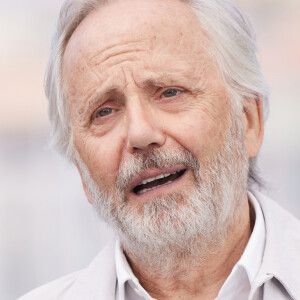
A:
x: 158, y: 181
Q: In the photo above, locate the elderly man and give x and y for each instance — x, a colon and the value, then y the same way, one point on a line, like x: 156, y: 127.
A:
x: 159, y: 104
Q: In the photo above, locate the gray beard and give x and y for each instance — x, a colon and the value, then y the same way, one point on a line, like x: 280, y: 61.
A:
x: 184, y: 227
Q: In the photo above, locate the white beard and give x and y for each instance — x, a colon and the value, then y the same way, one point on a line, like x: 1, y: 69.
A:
x: 181, y: 227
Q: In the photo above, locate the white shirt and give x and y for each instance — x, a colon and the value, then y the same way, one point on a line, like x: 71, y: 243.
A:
x: 277, y: 278
x: 236, y: 287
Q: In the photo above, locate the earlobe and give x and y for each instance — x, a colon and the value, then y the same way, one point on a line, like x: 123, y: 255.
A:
x: 253, y: 125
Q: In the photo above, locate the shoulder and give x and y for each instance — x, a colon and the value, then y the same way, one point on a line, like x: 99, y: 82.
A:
x: 273, y: 212
x: 97, y: 279
x: 282, y: 228
x: 281, y: 258
x: 52, y: 290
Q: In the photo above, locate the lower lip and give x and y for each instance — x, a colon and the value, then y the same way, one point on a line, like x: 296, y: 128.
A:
x: 161, y: 190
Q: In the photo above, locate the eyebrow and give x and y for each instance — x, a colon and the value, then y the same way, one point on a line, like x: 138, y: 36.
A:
x: 101, y: 93
x: 161, y: 79
x: 169, y: 79
x: 98, y: 97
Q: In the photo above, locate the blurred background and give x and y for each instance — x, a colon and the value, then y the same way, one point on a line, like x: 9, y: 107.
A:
x: 47, y: 228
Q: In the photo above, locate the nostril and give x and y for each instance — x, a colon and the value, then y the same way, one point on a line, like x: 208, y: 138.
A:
x: 146, y: 148
x: 146, y: 141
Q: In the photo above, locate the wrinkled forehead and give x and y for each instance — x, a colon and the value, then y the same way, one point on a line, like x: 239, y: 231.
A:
x: 167, y: 25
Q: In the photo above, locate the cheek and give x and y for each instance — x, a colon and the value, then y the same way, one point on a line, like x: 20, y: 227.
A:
x: 102, y: 157
x: 198, y: 134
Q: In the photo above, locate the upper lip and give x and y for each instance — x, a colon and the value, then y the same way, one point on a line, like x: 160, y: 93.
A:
x: 153, y: 172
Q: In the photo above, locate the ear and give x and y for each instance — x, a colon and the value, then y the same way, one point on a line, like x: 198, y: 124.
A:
x: 253, y: 125
x: 86, y: 191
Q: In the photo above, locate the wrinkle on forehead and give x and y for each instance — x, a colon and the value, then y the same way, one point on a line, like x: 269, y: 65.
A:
x: 115, y: 54
x: 156, y: 44
x: 116, y: 48
x: 166, y: 38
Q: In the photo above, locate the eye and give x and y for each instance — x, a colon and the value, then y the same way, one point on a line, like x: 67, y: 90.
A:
x: 104, y: 112
x: 170, y: 93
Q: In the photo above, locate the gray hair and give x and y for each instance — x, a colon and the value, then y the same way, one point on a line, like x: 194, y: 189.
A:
x: 232, y: 47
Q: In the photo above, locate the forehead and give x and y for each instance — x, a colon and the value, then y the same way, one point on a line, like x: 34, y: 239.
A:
x: 168, y: 27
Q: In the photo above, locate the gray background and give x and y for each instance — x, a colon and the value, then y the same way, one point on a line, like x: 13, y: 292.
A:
x: 47, y: 228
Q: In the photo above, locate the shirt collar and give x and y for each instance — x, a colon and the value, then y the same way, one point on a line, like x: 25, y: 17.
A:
x: 281, y: 255
x: 252, y: 257
x: 123, y: 269
x: 245, y: 270
x: 126, y: 276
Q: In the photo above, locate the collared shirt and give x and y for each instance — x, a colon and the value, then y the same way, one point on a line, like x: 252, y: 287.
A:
x: 277, y: 278
x: 237, y: 285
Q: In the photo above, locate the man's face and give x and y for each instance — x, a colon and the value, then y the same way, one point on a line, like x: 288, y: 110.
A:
x: 139, y: 80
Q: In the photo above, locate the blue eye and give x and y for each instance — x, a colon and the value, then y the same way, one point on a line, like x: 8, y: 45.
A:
x: 104, y: 112
x: 170, y: 93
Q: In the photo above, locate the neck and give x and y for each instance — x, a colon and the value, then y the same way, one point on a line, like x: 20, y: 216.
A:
x: 202, y: 276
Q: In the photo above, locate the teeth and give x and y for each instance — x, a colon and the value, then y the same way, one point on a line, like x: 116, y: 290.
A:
x: 146, y: 190
x: 155, y: 178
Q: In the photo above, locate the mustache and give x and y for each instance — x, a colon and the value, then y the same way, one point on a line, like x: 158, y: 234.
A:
x: 133, y: 164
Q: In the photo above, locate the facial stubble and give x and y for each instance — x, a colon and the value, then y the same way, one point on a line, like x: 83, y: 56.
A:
x: 181, y: 227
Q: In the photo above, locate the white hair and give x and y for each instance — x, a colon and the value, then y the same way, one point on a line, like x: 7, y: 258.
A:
x: 232, y: 47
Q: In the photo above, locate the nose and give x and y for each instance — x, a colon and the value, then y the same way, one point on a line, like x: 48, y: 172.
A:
x: 144, y: 128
